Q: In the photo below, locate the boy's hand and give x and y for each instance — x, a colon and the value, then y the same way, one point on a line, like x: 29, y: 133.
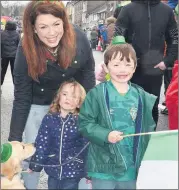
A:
x: 161, y: 66
x: 115, y: 136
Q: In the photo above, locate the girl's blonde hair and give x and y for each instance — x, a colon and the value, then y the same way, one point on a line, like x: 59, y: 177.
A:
x: 55, y: 107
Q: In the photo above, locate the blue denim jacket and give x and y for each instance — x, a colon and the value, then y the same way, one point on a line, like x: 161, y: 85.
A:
x: 58, y: 140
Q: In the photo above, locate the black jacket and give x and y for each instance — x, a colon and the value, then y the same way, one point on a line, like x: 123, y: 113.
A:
x: 147, y: 25
x: 27, y: 91
x: 9, y: 40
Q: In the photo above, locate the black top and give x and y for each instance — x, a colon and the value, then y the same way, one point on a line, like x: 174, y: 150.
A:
x: 9, y: 42
x: 147, y: 25
x: 27, y: 91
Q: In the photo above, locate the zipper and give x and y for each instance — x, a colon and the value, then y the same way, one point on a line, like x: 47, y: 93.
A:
x: 139, y: 138
x: 149, y: 17
x: 61, y: 139
x: 76, y: 159
x: 111, y: 126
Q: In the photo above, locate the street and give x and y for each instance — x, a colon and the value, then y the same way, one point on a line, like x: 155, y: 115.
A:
x: 6, y: 108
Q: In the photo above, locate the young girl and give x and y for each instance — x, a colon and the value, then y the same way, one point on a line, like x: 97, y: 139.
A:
x: 58, y: 139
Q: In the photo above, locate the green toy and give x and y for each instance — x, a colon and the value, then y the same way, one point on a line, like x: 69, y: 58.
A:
x: 6, y: 152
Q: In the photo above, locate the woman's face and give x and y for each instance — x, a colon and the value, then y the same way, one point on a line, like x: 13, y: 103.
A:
x: 49, y: 29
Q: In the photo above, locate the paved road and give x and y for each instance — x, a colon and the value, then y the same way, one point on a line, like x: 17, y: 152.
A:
x: 6, y: 108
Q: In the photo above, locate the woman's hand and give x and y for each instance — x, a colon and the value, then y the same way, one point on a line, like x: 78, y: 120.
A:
x: 101, y: 73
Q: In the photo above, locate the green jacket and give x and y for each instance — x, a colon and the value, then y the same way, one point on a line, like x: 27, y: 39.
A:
x: 95, y: 124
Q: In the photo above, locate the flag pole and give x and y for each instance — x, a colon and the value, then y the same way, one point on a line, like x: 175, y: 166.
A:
x: 151, y: 133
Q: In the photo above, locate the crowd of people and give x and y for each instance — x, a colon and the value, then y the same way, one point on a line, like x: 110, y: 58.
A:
x: 58, y: 106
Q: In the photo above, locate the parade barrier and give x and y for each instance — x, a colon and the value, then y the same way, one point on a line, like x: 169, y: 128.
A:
x: 159, y: 167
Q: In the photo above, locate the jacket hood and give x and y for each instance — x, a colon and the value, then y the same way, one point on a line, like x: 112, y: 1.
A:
x: 10, y: 25
x: 151, y: 2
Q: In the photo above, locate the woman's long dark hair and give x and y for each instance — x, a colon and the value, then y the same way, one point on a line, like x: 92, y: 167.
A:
x: 32, y: 46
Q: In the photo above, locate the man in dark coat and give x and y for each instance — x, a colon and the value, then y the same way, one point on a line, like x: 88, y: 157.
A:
x: 142, y: 25
x: 9, y: 43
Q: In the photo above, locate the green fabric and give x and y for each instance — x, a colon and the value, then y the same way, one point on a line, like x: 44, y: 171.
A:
x: 118, y: 40
x: 123, y: 120
x: 166, y: 149
x: 95, y: 124
x: 6, y: 152
x: 129, y: 175
x: 123, y: 115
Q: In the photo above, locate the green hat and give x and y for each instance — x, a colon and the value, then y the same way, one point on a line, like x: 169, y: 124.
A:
x: 118, y: 40
x: 6, y: 152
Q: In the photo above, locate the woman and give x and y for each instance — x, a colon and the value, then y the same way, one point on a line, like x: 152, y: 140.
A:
x: 52, y: 51
x: 110, y: 28
x: 9, y: 43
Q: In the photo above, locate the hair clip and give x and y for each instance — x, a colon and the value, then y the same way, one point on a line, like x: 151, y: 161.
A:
x: 118, y: 40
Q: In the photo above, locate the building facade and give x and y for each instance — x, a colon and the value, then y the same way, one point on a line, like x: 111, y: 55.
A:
x: 70, y: 11
x: 78, y: 10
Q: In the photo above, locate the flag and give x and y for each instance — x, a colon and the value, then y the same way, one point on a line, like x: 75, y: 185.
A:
x: 159, y: 167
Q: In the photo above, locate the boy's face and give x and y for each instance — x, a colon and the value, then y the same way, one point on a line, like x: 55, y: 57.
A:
x: 120, y: 71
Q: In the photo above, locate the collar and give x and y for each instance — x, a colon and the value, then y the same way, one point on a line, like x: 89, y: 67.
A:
x: 69, y: 116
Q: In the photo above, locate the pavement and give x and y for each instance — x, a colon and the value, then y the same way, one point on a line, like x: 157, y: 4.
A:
x: 6, y: 109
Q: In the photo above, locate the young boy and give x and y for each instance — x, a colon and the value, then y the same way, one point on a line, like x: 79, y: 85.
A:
x: 110, y: 111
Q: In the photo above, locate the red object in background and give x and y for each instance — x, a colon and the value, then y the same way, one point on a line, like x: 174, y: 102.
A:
x: 172, y: 99
x: 99, y: 48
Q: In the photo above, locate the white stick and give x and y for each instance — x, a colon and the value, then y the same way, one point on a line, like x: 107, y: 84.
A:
x: 150, y: 133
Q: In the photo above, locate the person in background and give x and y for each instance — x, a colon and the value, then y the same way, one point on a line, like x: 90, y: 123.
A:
x: 94, y: 38
x: 110, y: 28
x: 168, y: 71
x: 172, y: 3
x: 138, y: 24
x: 9, y: 42
x: 51, y: 51
x: 59, y: 136
x: 104, y: 37
x: 172, y: 99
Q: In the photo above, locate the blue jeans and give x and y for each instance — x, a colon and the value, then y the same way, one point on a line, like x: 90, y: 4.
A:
x: 112, y: 184
x: 36, y: 114
x: 63, y: 184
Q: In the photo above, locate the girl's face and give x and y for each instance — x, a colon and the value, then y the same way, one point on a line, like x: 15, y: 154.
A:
x: 49, y: 29
x: 69, y: 98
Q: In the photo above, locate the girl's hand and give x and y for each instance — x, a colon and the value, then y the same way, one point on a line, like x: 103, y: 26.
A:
x: 89, y: 182
x: 115, y: 136
x: 29, y: 170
